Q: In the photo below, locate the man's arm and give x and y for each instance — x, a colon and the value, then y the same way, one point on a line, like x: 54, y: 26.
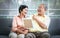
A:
x: 41, y: 24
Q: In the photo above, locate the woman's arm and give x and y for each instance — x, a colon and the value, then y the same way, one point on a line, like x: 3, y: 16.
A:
x: 14, y: 25
x: 18, y: 28
x: 22, y: 30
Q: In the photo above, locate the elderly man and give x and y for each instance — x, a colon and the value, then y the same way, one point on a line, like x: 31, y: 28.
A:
x: 41, y: 22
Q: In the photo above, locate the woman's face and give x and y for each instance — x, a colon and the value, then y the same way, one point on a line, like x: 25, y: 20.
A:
x: 24, y: 11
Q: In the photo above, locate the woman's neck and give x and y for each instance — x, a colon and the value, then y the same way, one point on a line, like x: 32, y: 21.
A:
x: 21, y: 16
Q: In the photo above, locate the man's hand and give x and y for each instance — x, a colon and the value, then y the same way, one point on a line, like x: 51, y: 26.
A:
x: 34, y: 17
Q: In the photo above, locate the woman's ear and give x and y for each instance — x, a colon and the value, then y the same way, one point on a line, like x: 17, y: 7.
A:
x: 20, y: 10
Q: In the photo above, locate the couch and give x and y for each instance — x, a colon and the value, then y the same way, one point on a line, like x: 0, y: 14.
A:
x: 54, y: 28
x: 6, y: 24
x: 5, y: 27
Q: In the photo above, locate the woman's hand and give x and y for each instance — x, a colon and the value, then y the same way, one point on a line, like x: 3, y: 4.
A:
x: 25, y: 31
x: 22, y: 29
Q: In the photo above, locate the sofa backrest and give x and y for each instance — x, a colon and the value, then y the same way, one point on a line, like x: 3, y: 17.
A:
x: 54, y: 28
x: 5, y: 26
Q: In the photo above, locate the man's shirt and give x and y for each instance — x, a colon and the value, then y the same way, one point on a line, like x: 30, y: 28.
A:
x: 45, y: 20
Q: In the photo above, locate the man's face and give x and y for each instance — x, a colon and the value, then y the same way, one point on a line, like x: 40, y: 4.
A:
x: 41, y: 9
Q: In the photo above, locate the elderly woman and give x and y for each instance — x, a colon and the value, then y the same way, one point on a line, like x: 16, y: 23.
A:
x: 18, y: 30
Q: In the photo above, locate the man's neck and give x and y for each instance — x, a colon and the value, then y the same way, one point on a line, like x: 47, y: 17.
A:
x: 41, y: 15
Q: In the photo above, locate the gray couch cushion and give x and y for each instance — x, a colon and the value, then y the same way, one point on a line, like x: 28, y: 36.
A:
x: 5, y: 26
x: 54, y: 28
x: 3, y: 36
x: 55, y: 36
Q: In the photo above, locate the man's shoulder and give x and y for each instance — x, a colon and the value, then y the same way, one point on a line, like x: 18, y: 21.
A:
x: 47, y: 16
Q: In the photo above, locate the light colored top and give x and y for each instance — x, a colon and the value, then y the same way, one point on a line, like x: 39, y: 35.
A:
x: 17, y: 21
x: 45, y: 20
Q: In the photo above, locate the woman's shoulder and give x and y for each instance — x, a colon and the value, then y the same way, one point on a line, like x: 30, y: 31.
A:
x: 15, y: 17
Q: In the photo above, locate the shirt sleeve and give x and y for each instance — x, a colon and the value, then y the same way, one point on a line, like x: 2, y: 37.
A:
x: 14, y: 24
x: 47, y: 23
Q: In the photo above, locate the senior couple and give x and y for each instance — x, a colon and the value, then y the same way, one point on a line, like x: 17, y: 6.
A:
x: 42, y: 21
